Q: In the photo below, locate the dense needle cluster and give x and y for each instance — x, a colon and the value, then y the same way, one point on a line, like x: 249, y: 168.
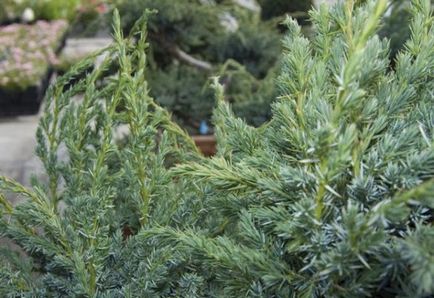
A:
x: 332, y: 197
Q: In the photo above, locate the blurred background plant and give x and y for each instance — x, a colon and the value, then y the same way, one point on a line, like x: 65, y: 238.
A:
x: 13, y: 10
x: 27, y: 51
x: 192, y: 40
x: 278, y: 8
x: 83, y: 15
x: 395, y: 26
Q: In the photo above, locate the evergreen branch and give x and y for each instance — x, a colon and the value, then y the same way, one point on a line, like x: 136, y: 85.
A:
x: 175, y: 128
x: 183, y: 56
x: 8, y: 206
x: 230, y: 256
x: 136, y: 108
x: 345, y: 93
x: 228, y: 177
x: 422, y: 193
x: 15, y: 187
x: 396, y: 207
x: 43, y: 206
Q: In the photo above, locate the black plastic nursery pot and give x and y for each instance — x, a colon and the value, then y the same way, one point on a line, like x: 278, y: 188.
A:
x: 17, y: 102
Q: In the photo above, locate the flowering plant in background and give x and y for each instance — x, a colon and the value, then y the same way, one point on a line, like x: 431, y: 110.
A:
x: 9, y: 10
x: 27, y: 51
x: 90, y: 18
x: 93, y: 6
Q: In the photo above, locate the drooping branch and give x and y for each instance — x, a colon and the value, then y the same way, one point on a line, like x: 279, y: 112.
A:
x: 183, y: 56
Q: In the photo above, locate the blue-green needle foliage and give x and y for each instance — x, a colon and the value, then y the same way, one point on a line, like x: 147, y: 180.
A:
x: 334, y: 196
x: 102, y: 186
x: 331, y: 198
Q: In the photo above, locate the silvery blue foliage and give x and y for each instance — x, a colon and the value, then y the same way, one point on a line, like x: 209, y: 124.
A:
x: 331, y: 198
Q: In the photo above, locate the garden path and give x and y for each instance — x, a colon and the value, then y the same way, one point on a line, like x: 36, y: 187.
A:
x: 18, y: 134
x: 17, y: 148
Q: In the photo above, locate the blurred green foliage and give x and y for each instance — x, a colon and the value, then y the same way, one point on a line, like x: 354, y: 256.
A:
x: 233, y: 40
x: 276, y: 8
x: 395, y: 25
x: 42, y: 9
x: 55, y: 9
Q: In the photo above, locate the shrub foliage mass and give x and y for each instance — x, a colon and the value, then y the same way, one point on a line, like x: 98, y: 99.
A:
x: 332, y: 197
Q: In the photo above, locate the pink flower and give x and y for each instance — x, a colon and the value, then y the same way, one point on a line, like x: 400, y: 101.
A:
x: 17, y: 58
x: 27, y: 66
x: 45, y: 43
x: 102, y: 8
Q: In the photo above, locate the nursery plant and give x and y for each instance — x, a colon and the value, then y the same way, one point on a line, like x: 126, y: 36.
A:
x: 84, y: 16
x: 103, y: 186
x: 332, y: 197
x: 191, y: 40
x: 27, y: 53
x: 49, y: 10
